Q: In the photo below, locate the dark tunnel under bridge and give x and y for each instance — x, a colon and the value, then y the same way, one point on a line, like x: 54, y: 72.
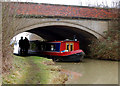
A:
x: 52, y: 33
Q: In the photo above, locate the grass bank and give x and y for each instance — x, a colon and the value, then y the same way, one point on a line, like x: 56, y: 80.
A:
x: 34, y: 70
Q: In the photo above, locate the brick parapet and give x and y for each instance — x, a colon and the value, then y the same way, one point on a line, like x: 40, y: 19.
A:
x: 62, y: 11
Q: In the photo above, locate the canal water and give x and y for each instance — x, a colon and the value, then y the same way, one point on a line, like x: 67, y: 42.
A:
x: 91, y: 72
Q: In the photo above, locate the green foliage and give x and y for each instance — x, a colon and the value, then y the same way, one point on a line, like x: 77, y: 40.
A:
x: 106, y: 48
x: 32, y: 70
x: 33, y: 46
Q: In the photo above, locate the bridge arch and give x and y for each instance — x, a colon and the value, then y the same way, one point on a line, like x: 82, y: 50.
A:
x: 57, y: 28
x: 60, y: 23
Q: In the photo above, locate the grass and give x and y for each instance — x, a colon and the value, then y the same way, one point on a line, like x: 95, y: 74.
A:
x: 34, y: 70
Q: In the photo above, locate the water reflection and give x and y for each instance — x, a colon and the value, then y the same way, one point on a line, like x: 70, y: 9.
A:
x: 92, y: 72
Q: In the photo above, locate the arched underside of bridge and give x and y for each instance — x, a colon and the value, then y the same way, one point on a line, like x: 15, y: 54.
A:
x: 63, y: 30
x: 57, y: 32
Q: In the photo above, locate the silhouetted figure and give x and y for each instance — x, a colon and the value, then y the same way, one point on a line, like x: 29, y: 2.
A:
x: 26, y: 46
x: 21, y: 45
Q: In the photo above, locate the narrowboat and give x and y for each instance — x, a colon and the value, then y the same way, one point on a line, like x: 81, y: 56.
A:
x: 66, y: 50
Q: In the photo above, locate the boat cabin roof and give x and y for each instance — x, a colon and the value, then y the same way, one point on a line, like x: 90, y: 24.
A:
x: 63, y: 41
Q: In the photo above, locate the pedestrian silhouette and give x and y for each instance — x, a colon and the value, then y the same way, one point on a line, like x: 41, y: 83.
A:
x: 26, y: 46
x: 21, y: 45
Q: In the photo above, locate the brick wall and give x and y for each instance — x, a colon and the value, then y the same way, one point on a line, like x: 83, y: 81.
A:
x: 62, y: 10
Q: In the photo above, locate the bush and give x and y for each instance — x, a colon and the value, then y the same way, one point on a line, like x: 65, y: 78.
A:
x: 106, y: 48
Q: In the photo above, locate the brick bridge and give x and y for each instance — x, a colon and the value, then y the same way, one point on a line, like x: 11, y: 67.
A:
x: 56, y: 22
x: 51, y: 22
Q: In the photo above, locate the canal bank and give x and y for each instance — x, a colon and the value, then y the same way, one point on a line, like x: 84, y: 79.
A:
x: 34, y: 70
x: 38, y: 70
x: 91, y: 71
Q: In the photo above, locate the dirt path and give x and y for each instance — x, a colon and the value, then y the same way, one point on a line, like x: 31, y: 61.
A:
x: 33, y: 70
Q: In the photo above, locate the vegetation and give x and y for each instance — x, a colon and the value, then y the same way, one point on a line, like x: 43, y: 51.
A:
x: 9, y: 27
x: 34, y: 70
x: 108, y: 47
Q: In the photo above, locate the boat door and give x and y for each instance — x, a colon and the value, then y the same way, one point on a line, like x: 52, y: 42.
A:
x: 70, y: 46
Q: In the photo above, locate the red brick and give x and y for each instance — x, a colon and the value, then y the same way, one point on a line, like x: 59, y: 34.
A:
x: 60, y: 10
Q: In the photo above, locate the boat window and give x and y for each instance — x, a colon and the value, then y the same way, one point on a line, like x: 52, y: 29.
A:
x: 68, y: 47
x: 52, y: 47
x: 71, y: 47
x: 57, y: 46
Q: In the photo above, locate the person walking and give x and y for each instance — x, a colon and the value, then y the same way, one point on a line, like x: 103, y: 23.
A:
x: 27, y: 45
x: 21, y: 46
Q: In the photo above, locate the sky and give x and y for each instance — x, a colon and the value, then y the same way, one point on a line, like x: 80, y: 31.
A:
x: 108, y: 3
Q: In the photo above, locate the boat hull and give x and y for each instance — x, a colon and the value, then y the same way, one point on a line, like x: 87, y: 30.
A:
x: 71, y: 58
